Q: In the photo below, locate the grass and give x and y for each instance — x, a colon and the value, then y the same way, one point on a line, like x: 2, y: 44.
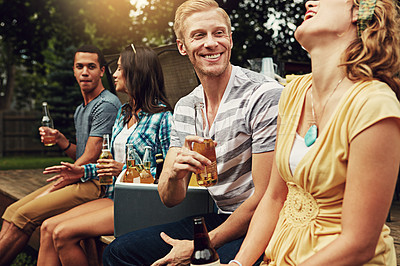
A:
x: 30, y: 162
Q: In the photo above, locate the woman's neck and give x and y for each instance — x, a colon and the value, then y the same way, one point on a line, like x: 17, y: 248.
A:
x: 326, y: 69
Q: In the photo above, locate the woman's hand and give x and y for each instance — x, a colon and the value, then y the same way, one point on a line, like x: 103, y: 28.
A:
x: 107, y: 167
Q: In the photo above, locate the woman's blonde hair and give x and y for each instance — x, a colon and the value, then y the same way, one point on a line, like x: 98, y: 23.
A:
x: 376, y: 54
x: 193, y: 6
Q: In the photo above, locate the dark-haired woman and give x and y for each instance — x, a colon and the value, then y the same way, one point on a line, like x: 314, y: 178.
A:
x: 144, y: 121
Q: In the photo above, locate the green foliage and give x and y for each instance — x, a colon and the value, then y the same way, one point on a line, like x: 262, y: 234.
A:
x: 61, y: 90
x: 24, y: 259
x: 25, y: 162
x: 153, y: 24
x: 261, y: 28
x: 272, y: 24
x: 34, y: 33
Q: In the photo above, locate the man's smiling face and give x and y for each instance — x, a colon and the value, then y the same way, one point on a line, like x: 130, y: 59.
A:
x: 207, y: 41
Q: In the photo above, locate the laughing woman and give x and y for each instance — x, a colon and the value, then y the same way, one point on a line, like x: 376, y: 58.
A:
x: 144, y: 121
x: 337, y: 154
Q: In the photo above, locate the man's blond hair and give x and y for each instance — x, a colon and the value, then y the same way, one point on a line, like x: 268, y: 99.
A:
x: 193, y: 6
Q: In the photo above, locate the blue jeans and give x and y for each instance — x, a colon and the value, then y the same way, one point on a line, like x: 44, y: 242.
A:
x: 145, y: 246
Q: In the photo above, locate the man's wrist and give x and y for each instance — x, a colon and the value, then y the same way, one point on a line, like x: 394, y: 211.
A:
x: 68, y: 146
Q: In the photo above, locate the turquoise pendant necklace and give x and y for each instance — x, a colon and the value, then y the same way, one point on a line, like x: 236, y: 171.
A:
x: 312, y: 132
x: 311, y: 135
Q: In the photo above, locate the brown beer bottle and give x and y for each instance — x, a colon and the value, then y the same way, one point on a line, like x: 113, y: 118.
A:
x: 203, y: 252
x: 160, y: 164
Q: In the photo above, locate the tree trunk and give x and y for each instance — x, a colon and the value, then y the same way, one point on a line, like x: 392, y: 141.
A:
x: 5, y: 101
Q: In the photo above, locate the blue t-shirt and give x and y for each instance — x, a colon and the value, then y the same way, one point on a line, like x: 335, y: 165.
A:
x: 95, y: 119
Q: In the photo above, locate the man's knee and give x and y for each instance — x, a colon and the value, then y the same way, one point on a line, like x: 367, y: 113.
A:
x: 25, y: 220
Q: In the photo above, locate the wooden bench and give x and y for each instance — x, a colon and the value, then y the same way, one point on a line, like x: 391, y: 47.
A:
x: 16, y: 184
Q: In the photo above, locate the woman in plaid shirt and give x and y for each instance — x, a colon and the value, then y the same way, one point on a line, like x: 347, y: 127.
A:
x: 144, y: 121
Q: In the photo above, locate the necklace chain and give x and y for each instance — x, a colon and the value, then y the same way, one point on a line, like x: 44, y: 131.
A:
x: 327, y: 100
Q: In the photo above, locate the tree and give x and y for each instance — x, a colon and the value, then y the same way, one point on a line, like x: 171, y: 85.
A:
x: 20, y: 27
x: 61, y: 91
x: 272, y: 24
x: 28, y: 28
x: 261, y: 28
x: 152, y: 24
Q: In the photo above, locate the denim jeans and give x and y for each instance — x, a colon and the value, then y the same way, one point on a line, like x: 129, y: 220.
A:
x: 145, y: 246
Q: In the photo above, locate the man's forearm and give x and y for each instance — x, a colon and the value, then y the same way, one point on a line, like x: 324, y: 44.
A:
x: 172, y: 191
x: 237, y: 224
x: 64, y: 144
x: 92, y: 151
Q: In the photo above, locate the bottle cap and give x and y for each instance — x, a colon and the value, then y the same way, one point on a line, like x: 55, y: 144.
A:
x: 198, y: 220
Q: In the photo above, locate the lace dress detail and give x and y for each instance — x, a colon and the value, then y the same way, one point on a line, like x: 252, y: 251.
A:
x: 300, y: 207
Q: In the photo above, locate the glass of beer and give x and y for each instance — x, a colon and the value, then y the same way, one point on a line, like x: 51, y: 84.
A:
x: 208, y: 176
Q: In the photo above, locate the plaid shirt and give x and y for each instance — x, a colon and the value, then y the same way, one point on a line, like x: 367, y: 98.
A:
x: 151, y: 130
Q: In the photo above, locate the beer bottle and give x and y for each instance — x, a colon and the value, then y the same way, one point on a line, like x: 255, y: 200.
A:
x: 203, y: 252
x: 209, y: 175
x: 48, y: 140
x: 146, y: 158
x: 160, y: 164
x: 106, y: 154
x: 145, y: 174
x: 132, y: 174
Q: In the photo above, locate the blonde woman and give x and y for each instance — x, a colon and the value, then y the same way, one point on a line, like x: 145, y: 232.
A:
x: 337, y: 153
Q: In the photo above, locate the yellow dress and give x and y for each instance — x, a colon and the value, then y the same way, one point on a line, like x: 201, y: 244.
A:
x: 311, y: 216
